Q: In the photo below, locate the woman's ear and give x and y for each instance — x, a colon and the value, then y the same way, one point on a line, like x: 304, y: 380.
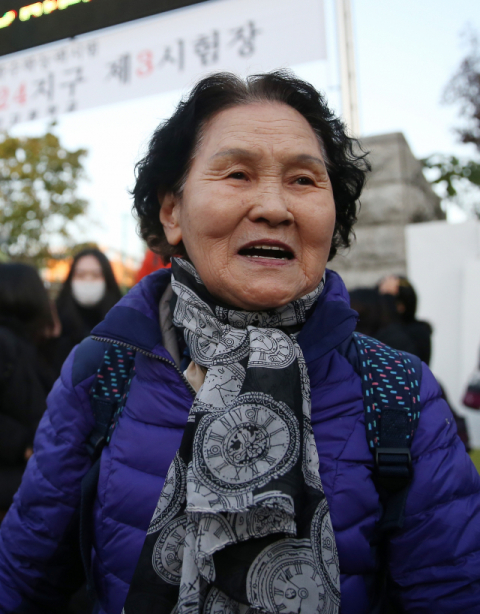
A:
x: 170, y: 217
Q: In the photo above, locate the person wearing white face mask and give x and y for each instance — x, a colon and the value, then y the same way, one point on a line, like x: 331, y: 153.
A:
x: 88, y: 293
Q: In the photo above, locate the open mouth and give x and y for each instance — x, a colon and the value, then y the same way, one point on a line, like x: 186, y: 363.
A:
x: 272, y: 252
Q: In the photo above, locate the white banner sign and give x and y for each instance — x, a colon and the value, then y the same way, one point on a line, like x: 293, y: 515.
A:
x: 159, y: 54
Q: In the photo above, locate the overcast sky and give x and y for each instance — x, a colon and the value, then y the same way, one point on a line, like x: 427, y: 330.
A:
x: 406, y: 51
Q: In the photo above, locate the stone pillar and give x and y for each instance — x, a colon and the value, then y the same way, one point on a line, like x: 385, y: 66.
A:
x: 396, y: 194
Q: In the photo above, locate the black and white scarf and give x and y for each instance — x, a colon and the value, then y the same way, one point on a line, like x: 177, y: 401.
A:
x: 242, y: 524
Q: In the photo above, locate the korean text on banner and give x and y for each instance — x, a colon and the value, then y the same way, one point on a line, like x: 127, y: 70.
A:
x: 159, y: 54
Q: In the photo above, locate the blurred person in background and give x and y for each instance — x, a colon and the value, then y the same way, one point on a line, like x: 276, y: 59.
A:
x: 365, y: 301
x: 387, y: 313
x: 236, y: 471
x: 85, y: 298
x: 26, y: 377
x: 400, y: 300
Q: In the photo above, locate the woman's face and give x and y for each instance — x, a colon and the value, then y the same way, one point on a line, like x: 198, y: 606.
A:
x: 87, y: 268
x: 88, y: 282
x: 257, y: 213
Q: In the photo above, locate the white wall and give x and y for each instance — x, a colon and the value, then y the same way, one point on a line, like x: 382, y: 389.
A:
x: 443, y: 263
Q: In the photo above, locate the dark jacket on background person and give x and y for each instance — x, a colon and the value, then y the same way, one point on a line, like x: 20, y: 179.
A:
x: 404, y: 334
x: 413, y: 337
x: 421, y: 334
x: 434, y: 560
x: 379, y: 318
x: 77, y: 324
x: 25, y: 380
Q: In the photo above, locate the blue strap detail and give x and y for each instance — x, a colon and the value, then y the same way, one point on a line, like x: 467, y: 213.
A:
x: 108, y: 395
x: 391, y: 394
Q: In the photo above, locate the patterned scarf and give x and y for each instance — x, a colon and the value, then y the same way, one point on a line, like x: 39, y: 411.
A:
x: 242, y: 525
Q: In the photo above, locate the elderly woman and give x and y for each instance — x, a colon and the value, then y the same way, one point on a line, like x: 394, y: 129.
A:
x: 243, y: 406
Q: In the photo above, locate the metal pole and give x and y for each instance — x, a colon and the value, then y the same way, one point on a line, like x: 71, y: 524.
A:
x: 348, y: 79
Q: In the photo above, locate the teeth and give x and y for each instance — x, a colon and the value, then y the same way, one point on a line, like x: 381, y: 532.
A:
x: 273, y: 247
x: 265, y: 248
x: 265, y: 257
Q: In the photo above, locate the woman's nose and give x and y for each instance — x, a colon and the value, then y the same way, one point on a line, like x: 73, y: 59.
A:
x: 271, y: 206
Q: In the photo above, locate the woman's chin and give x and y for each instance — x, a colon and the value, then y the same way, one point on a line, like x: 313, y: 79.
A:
x: 257, y: 288
x: 253, y: 297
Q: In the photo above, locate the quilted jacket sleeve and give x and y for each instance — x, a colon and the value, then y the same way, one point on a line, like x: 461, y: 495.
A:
x: 39, y: 559
x: 435, y: 559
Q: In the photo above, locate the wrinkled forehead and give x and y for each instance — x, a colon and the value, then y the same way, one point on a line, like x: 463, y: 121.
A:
x: 256, y: 124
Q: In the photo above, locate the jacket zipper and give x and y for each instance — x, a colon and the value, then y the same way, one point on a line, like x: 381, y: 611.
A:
x: 150, y: 355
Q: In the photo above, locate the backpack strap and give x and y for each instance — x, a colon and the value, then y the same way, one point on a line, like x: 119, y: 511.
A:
x: 108, y: 395
x: 391, y: 393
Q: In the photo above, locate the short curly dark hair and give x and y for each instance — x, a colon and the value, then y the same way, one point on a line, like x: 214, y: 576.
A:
x: 167, y: 162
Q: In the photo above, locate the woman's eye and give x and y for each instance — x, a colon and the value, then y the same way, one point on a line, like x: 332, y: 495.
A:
x: 304, y: 181
x: 237, y: 175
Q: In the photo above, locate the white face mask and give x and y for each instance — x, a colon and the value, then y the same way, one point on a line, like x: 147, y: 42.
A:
x: 88, y: 293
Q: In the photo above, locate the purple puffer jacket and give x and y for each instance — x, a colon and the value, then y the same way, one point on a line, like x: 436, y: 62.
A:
x: 434, y: 560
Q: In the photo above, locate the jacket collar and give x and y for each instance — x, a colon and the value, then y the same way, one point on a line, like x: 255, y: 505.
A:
x: 134, y: 319
x: 332, y: 321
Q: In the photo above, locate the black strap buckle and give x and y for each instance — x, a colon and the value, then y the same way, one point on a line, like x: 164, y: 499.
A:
x: 393, y: 466
x: 95, y: 445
